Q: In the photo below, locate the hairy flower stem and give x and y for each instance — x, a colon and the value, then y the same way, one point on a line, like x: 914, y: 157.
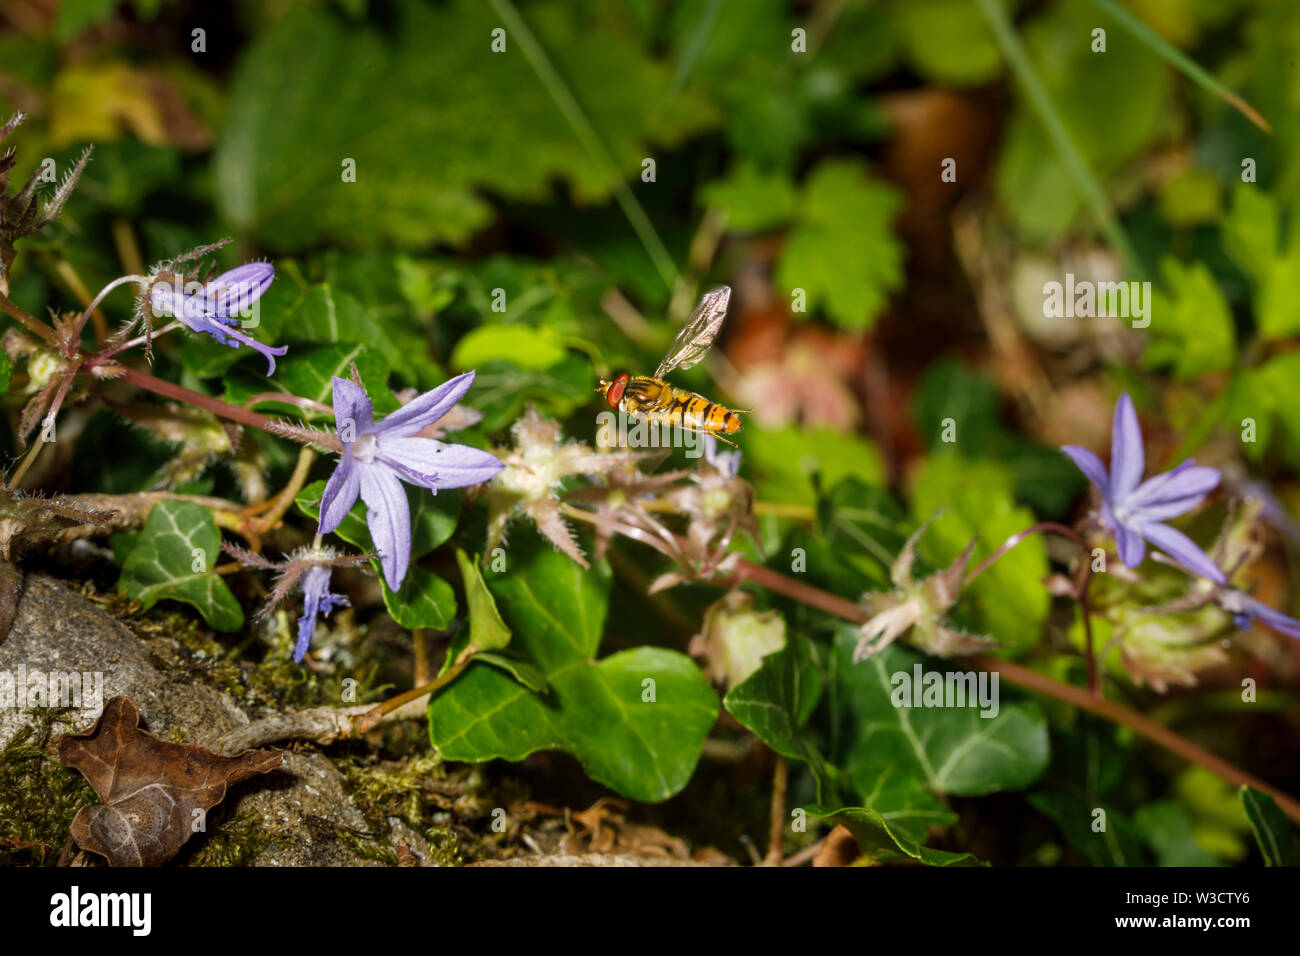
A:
x: 29, y: 322
x: 1031, y: 680
x: 215, y: 405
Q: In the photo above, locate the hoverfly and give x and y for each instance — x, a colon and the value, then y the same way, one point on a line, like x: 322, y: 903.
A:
x: 662, y: 404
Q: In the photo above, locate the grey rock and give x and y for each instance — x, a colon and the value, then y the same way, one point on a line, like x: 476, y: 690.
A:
x: 299, y: 812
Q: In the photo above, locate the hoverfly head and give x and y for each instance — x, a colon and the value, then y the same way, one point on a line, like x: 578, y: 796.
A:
x: 614, y: 390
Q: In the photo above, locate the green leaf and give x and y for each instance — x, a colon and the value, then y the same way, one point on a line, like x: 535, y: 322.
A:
x: 487, y: 631
x: 1167, y: 827
x: 424, y: 599
x: 842, y: 250
x: 947, y: 41
x: 597, y: 710
x: 1278, y: 842
x: 426, y: 133
x: 6, y: 373
x: 783, y: 459
x: 1252, y: 229
x: 1191, y: 325
x: 178, y: 538
x: 502, y: 389
x: 754, y: 200
x: 778, y: 699
x: 881, y: 842
x: 1119, y: 843
x: 863, y: 524
x: 953, y: 749
x: 974, y: 499
x: 524, y: 671
x: 308, y: 373
x: 526, y: 347
x: 433, y: 517
x: 1113, y: 106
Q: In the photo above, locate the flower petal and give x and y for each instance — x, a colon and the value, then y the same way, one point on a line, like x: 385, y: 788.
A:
x: 235, y: 291
x: 389, y: 518
x: 1174, y: 492
x: 1274, y: 619
x: 1090, y: 465
x: 426, y: 409
x: 352, y: 405
x: 1127, y: 454
x: 433, y: 464
x: 233, y: 333
x: 1132, y: 549
x: 315, y: 588
x: 1183, y: 550
x: 340, y: 494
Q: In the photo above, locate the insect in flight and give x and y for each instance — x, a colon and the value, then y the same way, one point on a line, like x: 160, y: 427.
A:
x: 662, y: 404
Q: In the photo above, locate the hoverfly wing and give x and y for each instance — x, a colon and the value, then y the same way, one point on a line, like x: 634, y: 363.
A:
x: 698, y: 333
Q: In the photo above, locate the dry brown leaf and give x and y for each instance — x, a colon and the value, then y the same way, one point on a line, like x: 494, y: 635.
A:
x: 153, y: 790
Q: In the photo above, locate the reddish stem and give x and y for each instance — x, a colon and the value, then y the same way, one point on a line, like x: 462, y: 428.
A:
x: 1034, y: 681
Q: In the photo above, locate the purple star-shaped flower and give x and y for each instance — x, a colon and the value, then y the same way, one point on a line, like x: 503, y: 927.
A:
x: 316, y: 599
x: 1245, y: 609
x: 1135, y: 512
x: 214, y: 310
x: 378, y: 457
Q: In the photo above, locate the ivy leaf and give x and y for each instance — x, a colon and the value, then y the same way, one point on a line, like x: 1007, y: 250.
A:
x: 1120, y: 843
x: 882, y: 843
x: 842, y: 250
x: 425, y: 133
x: 424, y: 599
x: 863, y: 524
x: 953, y: 750
x: 783, y: 459
x: 778, y: 699
x: 487, y: 631
x: 645, y: 745
x: 528, y: 348
x: 308, y: 373
x: 1277, y: 838
x: 502, y: 389
x: 173, y: 559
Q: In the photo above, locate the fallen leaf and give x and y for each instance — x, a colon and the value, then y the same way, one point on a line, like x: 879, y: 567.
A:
x: 154, y: 792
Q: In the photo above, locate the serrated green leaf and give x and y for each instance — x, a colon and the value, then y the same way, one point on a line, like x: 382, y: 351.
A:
x: 1191, y: 325
x: 177, y: 538
x: 778, y: 699
x: 953, y: 750
x: 427, y: 132
x: 881, y: 842
x: 1274, y: 833
x: 974, y: 499
x: 597, y: 710
x: 842, y: 250
x: 753, y: 199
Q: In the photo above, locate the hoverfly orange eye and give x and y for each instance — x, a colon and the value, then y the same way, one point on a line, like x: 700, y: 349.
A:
x: 614, y: 394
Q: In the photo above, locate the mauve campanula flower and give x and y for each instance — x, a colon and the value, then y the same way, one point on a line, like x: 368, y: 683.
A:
x: 1245, y: 609
x: 1135, y: 510
x: 214, y: 309
x: 316, y: 599
x: 308, y: 569
x: 379, y: 456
